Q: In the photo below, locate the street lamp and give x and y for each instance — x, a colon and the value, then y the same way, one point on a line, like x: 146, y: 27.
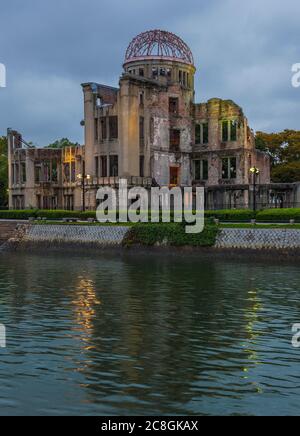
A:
x: 255, y: 171
x: 82, y: 178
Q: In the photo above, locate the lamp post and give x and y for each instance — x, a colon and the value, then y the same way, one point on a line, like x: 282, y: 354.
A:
x: 255, y: 171
x: 82, y: 178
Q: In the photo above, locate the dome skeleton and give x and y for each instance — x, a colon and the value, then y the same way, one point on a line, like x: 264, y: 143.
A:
x: 159, y: 44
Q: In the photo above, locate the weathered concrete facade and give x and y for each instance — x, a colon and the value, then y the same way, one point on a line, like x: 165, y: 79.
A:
x: 43, y: 178
x: 150, y: 131
x: 163, y: 135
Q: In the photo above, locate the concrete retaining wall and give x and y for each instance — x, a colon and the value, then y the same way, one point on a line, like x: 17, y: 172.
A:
x: 260, y: 239
x: 110, y: 236
x: 105, y: 235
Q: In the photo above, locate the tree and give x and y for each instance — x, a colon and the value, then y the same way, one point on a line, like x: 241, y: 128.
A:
x: 3, y: 172
x: 284, y: 151
x: 63, y: 143
x: 286, y: 173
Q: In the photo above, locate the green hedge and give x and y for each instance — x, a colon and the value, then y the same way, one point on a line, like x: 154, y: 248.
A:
x: 49, y: 214
x: 17, y: 214
x: 272, y: 215
x: 279, y: 215
x: 268, y: 215
x: 231, y: 215
x: 170, y: 234
x: 223, y: 215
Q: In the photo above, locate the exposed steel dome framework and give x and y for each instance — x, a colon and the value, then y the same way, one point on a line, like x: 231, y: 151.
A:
x: 159, y: 44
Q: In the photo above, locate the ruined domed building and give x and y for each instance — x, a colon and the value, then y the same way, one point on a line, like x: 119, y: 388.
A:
x: 151, y: 132
x: 151, y: 126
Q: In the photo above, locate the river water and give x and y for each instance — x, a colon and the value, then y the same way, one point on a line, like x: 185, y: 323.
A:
x: 148, y: 334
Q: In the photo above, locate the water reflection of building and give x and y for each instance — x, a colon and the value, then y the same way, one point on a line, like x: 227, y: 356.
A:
x: 84, y: 304
x: 157, y: 331
x: 156, y: 337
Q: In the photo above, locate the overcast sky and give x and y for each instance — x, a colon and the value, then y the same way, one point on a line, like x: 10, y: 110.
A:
x: 243, y: 51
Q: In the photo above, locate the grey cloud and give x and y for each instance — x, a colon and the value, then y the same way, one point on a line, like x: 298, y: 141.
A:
x: 243, y: 51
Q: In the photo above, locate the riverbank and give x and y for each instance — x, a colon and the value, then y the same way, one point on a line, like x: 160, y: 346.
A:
x: 267, y: 256
x: 146, y: 238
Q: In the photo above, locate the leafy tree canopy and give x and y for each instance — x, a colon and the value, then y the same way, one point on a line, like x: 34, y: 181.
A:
x: 284, y: 150
x: 62, y: 143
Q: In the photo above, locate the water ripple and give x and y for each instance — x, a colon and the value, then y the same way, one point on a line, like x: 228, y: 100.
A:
x: 156, y: 335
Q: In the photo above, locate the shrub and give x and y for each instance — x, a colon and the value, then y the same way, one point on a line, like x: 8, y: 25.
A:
x: 170, y: 234
x: 231, y: 215
x: 279, y: 215
x: 18, y: 214
x: 58, y: 214
x: 49, y: 214
x: 87, y: 215
x: 271, y: 215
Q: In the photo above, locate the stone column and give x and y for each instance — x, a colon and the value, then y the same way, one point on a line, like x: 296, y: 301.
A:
x: 129, y: 164
x: 89, y: 128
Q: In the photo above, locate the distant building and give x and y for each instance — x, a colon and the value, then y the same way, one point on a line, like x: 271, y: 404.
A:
x: 43, y: 178
x: 150, y: 131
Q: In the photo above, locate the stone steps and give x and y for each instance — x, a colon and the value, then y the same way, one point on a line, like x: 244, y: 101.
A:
x: 7, y: 230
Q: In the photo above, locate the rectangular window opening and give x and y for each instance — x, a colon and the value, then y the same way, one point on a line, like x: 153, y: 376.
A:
x: 173, y: 105
x: 114, y: 166
x: 103, y: 129
x: 200, y: 170
x: 103, y: 168
x: 175, y: 140
x: 23, y: 172
x: 225, y: 131
x: 96, y: 130
x: 198, y: 134
x: 154, y: 72
x: 229, y: 167
x: 97, y: 166
x: 142, y: 131
x: 233, y: 130
x: 205, y: 133
x: 54, y: 175
x: 142, y: 164
x: 113, y: 127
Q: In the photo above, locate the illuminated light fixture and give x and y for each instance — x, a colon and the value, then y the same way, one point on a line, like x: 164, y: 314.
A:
x: 254, y: 170
x: 82, y: 178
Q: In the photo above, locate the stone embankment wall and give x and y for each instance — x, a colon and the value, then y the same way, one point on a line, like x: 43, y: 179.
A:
x: 100, y: 235
x: 259, y: 239
x: 113, y: 236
